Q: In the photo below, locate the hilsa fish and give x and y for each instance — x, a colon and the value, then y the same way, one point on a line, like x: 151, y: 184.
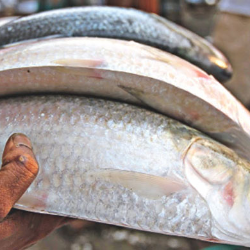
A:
x: 4, y: 20
x: 120, y: 23
x: 132, y: 73
x: 119, y: 164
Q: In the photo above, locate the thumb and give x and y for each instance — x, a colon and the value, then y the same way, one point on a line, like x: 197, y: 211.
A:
x: 19, y: 169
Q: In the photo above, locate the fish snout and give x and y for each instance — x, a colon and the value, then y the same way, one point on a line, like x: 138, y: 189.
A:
x: 221, y: 178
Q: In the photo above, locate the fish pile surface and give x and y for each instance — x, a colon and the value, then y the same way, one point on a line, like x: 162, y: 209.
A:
x: 117, y: 163
x: 129, y: 72
x: 120, y: 23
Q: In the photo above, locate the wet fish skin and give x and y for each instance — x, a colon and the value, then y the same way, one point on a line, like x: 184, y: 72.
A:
x: 120, y: 164
x: 4, y: 20
x: 129, y: 72
x: 120, y: 23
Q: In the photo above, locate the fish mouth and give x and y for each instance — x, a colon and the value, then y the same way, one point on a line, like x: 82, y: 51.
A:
x: 221, y: 69
x: 223, y: 75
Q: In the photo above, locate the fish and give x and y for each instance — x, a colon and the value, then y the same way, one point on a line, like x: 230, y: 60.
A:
x: 120, y: 164
x: 4, y: 20
x: 120, y: 23
x: 129, y: 72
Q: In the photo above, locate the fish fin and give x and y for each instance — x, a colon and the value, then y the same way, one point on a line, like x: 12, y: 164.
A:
x: 137, y: 93
x: 178, y: 64
x: 36, y: 201
x: 87, y: 72
x: 184, y: 66
x: 157, y: 55
x: 145, y: 185
x: 148, y: 99
x: 84, y: 67
x: 85, y: 63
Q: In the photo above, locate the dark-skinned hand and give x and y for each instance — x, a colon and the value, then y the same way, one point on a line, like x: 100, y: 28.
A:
x: 20, y: 229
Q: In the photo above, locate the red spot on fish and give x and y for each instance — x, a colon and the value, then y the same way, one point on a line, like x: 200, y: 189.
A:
x: 228, y: 194
x: 40, y: 201
x: 194, y: 115
x: 202, y: 74
x: 96, y: 74
x: 213, y: 240
x: 195, y: 71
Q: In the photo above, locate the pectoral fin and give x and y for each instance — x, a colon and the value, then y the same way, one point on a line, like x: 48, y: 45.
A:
x: 82, y: 67
x: 79, y: 62
x: 137, y: 93
x: 37, y: 201
x: 86, y: 72
x: 145, y: 185
x: 149, y: 99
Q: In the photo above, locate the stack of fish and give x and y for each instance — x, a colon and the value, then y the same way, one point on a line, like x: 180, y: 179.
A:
x: 123, y: 161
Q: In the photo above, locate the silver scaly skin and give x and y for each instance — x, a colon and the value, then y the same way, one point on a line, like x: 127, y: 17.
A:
x: 120, y: 23
x: 129, y: 72
x: 4, y: 20
x: 119, y: 164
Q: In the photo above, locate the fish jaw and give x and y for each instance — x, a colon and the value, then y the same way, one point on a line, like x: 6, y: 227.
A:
x: 221, y: 178
x: 223, y: 69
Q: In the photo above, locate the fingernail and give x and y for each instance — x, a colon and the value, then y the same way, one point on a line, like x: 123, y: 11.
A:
x: 20, y: 139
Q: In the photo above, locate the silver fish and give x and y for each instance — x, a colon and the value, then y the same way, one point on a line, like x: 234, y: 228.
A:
x: 123, y: 165
x: 121, y: 23
x: 4, y: 20
x: 129, y: 72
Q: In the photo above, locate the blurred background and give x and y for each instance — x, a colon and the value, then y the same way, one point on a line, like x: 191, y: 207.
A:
x: 225, y: 23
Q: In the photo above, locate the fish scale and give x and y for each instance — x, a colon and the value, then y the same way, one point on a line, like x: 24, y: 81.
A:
x: 81, y: 151
x: 119, y: 164
x: 91, y: 23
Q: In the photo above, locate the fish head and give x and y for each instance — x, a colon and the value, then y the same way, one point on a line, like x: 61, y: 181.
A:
x: 223, y: 180
x: 220, y: 67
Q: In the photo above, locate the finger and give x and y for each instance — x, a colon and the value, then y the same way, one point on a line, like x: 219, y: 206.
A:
x: 19, y: 169
x: 22, y: 229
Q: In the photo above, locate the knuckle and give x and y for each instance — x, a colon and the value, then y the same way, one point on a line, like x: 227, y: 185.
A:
x: 27, y: 162
x: 21, y: 164
x: 21, y: 160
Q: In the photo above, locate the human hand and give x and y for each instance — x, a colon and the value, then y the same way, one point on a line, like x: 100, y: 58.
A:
x: 20, y: 229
